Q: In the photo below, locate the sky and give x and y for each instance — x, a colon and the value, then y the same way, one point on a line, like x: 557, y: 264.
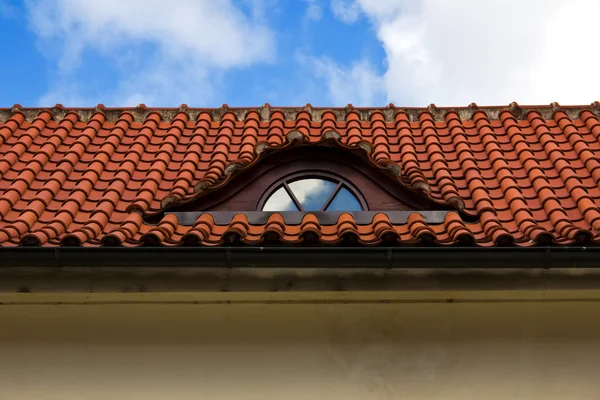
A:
x: 205, y: 53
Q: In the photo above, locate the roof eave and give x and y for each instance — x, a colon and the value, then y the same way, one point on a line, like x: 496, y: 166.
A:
x: 302, y: 257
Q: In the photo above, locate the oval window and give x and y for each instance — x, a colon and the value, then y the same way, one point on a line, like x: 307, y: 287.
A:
x: 313, y: 194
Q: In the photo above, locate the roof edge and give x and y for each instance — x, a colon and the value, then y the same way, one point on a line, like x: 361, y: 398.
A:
x: 302, y: 257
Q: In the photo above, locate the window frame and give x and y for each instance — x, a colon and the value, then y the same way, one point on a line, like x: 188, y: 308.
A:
x: 284, y: 181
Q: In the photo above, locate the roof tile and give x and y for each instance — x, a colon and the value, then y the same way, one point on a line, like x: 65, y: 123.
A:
x: 528, y: 175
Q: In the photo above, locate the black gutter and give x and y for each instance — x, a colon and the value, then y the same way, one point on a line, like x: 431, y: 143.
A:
x: 302, y: 257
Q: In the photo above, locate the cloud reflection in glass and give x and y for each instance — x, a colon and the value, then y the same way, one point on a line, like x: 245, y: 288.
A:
x: 312, y: 194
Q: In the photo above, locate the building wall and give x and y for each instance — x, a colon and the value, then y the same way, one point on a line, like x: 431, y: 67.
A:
x: 477, y: 349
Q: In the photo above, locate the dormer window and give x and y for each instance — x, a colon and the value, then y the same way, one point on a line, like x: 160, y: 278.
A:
x: 317, y: 180
x: 312, y: 192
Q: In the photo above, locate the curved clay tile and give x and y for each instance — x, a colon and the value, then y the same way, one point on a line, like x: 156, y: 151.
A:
x: 84, y: 177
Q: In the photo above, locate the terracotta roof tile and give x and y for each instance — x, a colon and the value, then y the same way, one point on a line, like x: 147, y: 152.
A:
x: 526, y: 175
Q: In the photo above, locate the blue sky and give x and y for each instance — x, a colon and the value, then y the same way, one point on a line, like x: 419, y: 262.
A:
x: 293, y: 52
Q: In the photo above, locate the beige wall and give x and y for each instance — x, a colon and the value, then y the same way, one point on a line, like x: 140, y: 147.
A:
x: 405, y: 350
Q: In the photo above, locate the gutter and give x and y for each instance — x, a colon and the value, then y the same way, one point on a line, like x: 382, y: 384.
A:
x: 302, y: 257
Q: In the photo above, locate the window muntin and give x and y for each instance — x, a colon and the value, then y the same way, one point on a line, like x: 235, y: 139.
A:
x: 280, y: 200
x: 315, y: 193
x: 344, y: 201
x: 312, y: 193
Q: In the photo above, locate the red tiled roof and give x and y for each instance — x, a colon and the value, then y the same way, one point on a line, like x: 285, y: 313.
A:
x: 86, y: 176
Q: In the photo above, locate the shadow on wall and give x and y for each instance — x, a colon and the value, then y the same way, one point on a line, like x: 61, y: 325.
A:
x: 301, y: 351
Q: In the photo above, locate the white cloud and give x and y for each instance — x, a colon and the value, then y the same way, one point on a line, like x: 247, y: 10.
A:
x: 193, y: 42
x: 489, y: 52
x: 357, y: 84
x: 313, y: 10
x: 346, y: 11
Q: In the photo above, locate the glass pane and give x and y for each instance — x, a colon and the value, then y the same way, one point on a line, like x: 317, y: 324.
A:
x: 312, y: 193
x: 280, y: 201
x: 344, y: 201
